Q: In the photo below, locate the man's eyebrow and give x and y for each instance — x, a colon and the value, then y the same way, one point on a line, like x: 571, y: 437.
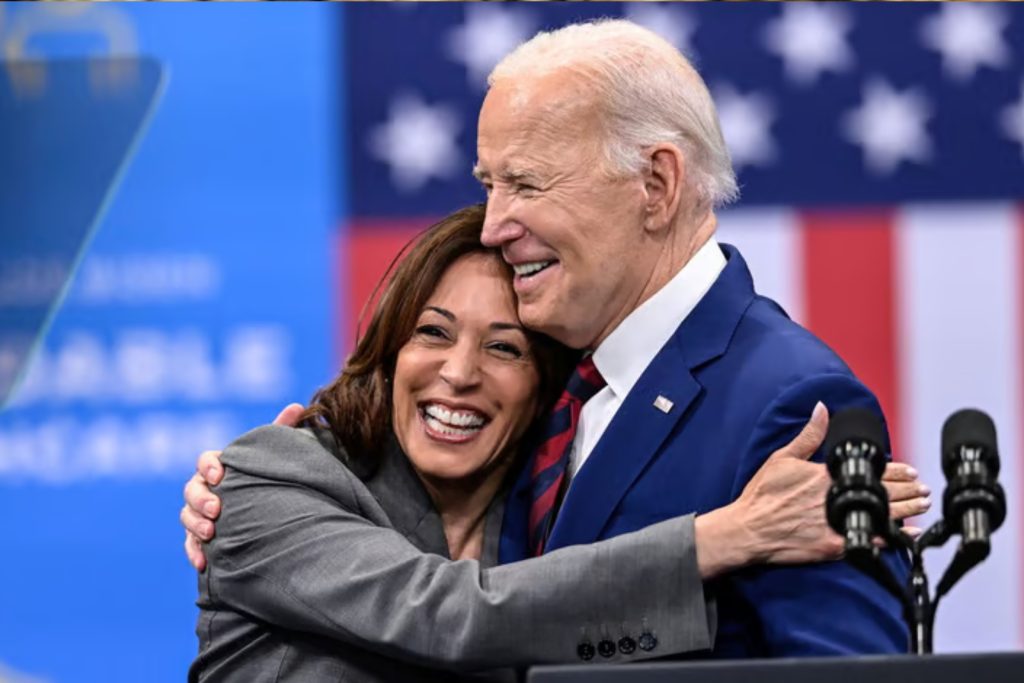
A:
x: 508, y: 174
x: 442, y: 311
x: 516, y: 174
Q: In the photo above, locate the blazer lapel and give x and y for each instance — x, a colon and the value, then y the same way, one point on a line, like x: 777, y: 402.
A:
x: 642, y: 423
x: 394, y: 484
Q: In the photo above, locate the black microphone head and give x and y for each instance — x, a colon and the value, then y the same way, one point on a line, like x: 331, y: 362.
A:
x: 858, y: 425
x: 972, y: 429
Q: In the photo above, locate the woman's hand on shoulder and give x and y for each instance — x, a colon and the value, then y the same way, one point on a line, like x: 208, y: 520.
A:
x: 202, y: 507
x: 780, y: 515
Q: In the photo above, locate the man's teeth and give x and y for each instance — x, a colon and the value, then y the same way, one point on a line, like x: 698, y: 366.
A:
x: 453, y: 421
x: 525, y: 269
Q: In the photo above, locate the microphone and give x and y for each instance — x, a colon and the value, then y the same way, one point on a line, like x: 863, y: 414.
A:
x: 857, y: 505
x: 973, y: 504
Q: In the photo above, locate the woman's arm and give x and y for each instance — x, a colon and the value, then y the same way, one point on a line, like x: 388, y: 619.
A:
x: 293, y: 548
x: 757, y: 528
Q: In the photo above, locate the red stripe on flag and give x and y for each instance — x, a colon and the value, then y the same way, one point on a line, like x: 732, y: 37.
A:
x: 368, y: 250
x: 850, y: 298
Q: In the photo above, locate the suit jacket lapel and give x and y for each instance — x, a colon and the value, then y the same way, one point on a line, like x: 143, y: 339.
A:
x: 516, y: 522
x: 628, y: 444
x: 639, y: 428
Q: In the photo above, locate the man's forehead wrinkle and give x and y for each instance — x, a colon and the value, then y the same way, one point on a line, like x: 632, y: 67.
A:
x: 532, y: 152
x: 533, y: 128
x: 538, y: 98
x: 525, y: 150
x: 553, y: 120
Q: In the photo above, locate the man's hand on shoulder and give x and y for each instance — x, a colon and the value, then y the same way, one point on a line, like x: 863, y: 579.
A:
x: 202, y: 507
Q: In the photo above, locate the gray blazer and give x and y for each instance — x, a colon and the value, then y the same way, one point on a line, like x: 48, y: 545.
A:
x: 322, y: 570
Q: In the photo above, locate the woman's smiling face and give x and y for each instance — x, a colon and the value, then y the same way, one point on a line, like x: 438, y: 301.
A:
x: 465, y: 383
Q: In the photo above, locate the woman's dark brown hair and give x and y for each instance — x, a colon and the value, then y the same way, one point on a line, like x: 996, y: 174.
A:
x: 356, y: 407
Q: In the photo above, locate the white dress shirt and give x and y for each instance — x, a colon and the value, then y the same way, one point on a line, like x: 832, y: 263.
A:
x: 624, y: 355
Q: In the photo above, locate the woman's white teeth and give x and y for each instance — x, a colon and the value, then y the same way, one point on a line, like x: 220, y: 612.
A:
x: 467, y: 420
x: 440, y: 427
x: 525, y: 269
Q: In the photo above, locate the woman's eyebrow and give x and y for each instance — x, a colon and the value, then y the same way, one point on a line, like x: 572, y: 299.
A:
x: 507, y: 326
x: 494, y: 326
x: 442, y: 311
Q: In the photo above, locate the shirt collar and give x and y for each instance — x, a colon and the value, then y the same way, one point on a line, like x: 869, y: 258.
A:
x: 624, y: 355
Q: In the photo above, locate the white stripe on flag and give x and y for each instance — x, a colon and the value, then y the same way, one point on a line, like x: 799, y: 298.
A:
x: 770, y: 241
x: 960, y: 347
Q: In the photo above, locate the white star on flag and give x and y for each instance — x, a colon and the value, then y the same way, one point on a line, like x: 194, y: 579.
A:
x: 1012, y: 120
x: 672, y: 24
x: 811, y: 39
x: 489, y: 33
x: 746, y: 120
x: 968, y: 36
x: 418, y: 142
x: 889, y: 126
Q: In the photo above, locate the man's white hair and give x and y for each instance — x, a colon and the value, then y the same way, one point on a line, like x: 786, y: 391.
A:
x: 649, y: 91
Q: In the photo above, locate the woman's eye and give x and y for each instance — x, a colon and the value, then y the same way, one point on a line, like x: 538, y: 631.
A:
x: 431, y: 331
x: 508, y: 349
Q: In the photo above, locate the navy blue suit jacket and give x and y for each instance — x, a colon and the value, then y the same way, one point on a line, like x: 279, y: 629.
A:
x: 743, y: 379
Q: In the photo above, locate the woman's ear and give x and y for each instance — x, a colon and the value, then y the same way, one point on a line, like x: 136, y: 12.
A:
x: 664, y: 184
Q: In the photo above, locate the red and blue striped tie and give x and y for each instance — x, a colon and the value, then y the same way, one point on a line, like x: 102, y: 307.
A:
x: 548, y: 472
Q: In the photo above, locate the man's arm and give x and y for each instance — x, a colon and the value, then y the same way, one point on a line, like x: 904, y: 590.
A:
x: 823, y: 608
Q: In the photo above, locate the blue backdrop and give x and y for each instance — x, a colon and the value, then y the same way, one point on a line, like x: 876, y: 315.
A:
x: 204, y: 304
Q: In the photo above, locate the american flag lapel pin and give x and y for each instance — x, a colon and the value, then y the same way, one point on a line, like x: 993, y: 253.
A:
x: 663, y: 404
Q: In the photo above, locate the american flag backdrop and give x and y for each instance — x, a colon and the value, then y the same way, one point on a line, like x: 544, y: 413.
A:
x: 880, y: 150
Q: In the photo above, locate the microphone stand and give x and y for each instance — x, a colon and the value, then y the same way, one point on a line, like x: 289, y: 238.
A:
x: 922, y: 621
x: 857, y: 506
x: 919, y: 606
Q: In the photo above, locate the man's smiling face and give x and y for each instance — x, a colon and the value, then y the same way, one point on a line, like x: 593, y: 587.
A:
x: 572, y: 230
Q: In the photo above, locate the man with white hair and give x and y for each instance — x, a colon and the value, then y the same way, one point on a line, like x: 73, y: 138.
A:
x: 602, y: 157
x: 603, y: 161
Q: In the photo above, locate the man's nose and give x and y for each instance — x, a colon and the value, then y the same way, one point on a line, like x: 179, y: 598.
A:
x: 500, y: 226
x: 461, y: 369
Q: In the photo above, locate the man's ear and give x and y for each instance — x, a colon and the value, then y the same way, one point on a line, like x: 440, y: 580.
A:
x: 664, y: 185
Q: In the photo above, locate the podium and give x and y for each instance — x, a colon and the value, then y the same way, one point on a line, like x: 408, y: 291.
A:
x: 972, y: 668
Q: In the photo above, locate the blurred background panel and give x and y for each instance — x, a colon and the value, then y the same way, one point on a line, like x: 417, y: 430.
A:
x: 292, y: 150
x: 204, y: 302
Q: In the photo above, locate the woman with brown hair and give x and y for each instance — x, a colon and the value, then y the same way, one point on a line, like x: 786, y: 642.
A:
x: 370, y: 398
x: 362, y: 547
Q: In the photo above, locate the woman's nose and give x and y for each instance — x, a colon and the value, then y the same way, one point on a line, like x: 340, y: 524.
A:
x: 461, y: 367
